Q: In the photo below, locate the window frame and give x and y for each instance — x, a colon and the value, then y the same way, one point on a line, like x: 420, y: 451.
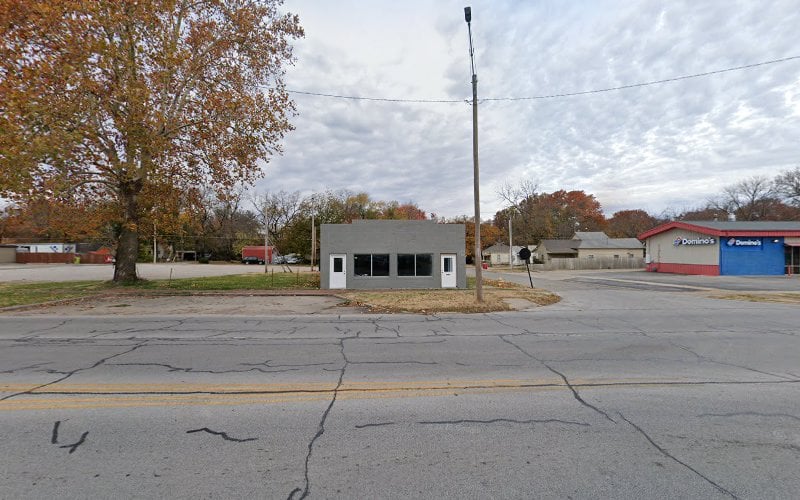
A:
x: 372, y: 265
x: 415, y: 265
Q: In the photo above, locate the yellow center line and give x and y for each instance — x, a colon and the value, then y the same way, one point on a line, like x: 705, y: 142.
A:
x: 126, y: 395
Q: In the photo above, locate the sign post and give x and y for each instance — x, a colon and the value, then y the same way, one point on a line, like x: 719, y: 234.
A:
x: 525, y: 254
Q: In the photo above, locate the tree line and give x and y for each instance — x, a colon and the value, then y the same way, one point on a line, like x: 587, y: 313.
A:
x: 205, y: 221
x: 218, y: 224
x: 539, y: 215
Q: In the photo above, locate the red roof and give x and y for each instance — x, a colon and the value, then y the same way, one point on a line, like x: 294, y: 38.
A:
x: 730, y: 228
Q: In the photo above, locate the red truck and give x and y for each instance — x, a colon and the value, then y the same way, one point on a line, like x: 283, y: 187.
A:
x: 255, y: 254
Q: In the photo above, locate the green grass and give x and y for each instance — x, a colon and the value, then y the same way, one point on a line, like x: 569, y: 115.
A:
x: 13, y: 294
x: 278, y: 281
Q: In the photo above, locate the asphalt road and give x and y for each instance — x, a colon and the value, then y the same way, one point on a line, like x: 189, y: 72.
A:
x: 612, y: 393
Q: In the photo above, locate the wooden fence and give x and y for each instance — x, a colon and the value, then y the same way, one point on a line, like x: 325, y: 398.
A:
x: 59, y: 258
x: 568, y: 264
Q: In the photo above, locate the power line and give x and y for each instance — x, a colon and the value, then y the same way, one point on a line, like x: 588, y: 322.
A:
x: 546, y: 96
x: 645, y: 84
x: 379, y: 99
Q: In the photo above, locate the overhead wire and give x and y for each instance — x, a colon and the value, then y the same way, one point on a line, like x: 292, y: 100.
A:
x: 546, y: 96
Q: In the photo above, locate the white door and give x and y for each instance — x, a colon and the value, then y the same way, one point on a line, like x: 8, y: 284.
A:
x: 338, y: 271
x: 449, y: 270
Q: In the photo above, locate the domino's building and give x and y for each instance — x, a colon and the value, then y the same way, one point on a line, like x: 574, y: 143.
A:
x: 723, y: 248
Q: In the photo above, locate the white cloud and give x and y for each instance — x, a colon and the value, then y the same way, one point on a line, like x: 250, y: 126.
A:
x: 666, y: 145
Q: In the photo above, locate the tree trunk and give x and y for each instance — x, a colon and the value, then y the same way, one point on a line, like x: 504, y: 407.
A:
x: 128, y: 244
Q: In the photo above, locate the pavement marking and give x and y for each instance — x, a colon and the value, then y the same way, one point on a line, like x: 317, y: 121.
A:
x: 649, y: 283
x: 85, y: 396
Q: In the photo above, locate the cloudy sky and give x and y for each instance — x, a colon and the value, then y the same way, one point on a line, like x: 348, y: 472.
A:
x: 671, y: 145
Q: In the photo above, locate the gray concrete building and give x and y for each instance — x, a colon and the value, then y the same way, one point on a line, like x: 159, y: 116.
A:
x: 375, y: 254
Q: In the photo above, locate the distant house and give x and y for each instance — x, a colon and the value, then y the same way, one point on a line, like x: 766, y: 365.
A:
x: 585, y: 247
x: 497, y: 255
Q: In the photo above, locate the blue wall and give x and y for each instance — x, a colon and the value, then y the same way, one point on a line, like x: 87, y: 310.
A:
x: 741, y: 255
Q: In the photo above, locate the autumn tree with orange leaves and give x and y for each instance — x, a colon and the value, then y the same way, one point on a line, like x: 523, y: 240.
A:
x: 536, y: 216
x: 117, y: 99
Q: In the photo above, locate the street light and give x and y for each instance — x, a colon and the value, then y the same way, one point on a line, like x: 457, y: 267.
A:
x: 475, y: 171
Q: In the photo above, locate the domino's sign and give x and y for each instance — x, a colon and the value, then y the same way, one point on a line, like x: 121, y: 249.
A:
x: 744, y: 242
x: 681, y: 241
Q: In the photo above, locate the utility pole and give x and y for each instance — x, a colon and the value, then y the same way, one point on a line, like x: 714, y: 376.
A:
x: 510, y: 245
x: 313, y: 241
x: 475, y: 170
x: 266, y: 239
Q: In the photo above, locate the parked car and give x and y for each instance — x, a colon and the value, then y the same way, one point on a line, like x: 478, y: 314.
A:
x: 279, y: 259
x: 252, y: 260
x: 292, y: 259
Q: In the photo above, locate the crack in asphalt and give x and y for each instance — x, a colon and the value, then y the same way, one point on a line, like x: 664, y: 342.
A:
x: 223, y: 435
x: 303, y: 493
x: 503, y: 421
x: 54, y: 435
x: 394, y: 363
x: 378, y: 328
x: 724, y: 363
x: 194, y: 370
x: 508, y: 325
x: 751, y: 414
x: 747, y: 444
x: 675, y: 459
x: 405, y: 342
x: 73, y: 372
x: 74, y: 446
x: 21, y: 368
x: 33, y: 333
x: 575, y: 393
x: 379, y: 424
x: 268, y: 364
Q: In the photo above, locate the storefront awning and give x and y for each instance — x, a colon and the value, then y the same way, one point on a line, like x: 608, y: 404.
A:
x: 791, y: 242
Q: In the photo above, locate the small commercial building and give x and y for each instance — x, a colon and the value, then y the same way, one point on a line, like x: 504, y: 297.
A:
x: 724, y: 247
x: 375, y: 254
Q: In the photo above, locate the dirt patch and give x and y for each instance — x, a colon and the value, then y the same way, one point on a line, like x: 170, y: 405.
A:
x: 778, y: 297
x: 195, y: 305
x: 498, y: 296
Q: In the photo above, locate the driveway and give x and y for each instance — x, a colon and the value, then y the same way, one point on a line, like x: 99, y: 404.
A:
x: 637, y: 279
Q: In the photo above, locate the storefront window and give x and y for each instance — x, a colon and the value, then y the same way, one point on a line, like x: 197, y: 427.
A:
x: 409, y: 264
x: 371, y: 264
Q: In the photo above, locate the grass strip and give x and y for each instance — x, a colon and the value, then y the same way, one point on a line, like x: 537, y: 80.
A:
x: 777, y: 297
x: 15, y: 294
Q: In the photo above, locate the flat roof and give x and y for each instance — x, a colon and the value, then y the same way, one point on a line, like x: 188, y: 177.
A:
x: 729, y: 228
